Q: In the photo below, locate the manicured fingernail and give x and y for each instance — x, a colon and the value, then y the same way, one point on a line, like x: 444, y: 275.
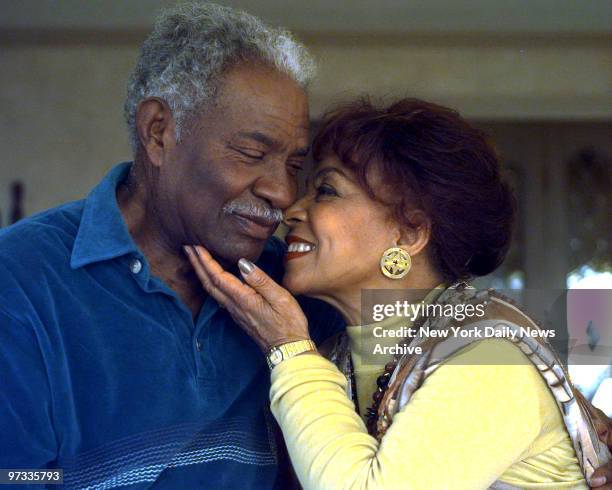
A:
x: 186, y: 249
x: 196, y: 250
x: 245, y: 266
x: 598, y: 481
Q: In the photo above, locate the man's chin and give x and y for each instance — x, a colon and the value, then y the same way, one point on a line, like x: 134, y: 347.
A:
x: 230, y: 253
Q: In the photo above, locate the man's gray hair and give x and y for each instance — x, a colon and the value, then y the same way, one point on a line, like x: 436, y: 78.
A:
x: 190, y: 48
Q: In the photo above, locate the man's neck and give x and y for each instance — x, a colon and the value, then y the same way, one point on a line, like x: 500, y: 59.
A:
x: 165, y: 260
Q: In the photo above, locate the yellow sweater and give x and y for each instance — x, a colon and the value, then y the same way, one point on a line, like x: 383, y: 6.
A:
x: 467, y: 426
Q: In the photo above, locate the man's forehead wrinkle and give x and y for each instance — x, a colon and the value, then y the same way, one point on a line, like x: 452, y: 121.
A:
x: 274, y: 110
x: 258, y: 100
x: 257, y: 85
x: 270, y: 103
x: 258, y: 136
x: 277, y: 129
x: 270, y: 128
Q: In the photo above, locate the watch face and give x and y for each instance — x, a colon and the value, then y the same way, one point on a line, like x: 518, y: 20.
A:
x: 276, y: 356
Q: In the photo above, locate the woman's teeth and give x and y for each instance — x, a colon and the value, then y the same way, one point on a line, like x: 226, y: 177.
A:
x: 300, y: 247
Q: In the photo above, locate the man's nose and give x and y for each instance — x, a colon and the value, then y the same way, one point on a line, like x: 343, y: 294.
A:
x: 279, y: 188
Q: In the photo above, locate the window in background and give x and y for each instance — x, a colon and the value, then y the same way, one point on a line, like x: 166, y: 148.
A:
x: 590, y: 219
x: 590, y: 317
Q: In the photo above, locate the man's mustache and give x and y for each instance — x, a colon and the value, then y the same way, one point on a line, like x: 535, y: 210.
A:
x: 257, y: 211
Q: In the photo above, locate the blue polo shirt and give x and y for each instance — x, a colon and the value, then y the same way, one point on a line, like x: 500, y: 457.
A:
x: 104, y: 373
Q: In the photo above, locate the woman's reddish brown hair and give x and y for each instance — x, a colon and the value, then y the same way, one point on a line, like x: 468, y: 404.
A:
x: 431, y: 159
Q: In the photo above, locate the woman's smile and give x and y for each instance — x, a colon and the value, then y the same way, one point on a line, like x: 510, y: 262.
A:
x: 298, y: 247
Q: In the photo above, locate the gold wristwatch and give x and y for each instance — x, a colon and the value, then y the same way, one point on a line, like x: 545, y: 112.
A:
x: 282, y: 352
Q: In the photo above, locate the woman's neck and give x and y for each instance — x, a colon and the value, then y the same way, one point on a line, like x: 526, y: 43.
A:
x: 349, y: 303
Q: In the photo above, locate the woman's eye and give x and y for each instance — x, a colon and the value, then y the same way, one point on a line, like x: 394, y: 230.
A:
x: 325, y: 190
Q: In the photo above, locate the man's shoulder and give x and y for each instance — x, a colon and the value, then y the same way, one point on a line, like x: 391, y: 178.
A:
x: 60, y: 219
x: 42, y: 238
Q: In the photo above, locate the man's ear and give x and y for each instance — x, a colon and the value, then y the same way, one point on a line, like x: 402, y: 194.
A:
x: 155, y: 126
x: 415, y: 238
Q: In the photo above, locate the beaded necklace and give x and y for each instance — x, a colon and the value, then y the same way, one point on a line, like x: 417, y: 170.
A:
x: 342, y: 358
x: 382, y: 382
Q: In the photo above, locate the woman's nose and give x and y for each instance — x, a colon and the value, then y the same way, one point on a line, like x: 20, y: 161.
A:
x: 296, y: 213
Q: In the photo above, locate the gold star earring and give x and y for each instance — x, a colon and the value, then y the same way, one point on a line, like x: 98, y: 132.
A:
x: 395, y: 263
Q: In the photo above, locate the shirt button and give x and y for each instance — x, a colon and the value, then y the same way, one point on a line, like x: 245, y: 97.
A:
x: 199, y: 345
x: 135, y: 266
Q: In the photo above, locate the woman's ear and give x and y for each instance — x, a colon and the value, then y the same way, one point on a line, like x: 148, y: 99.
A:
x: 415, y: 238
x: 156, y: 128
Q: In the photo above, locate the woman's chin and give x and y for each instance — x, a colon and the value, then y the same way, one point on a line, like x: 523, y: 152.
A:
x: 295, y: 284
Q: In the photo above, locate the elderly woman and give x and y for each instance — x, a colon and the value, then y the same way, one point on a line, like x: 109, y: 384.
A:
x: 410, y: 198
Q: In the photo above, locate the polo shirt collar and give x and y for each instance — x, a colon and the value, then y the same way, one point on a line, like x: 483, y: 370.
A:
x: 103, y: 233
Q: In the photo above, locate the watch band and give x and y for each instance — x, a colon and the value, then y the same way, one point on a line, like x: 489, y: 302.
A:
x: 282, y: 352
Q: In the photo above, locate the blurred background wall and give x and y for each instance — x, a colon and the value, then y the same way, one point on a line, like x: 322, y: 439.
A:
x: 537, y: 74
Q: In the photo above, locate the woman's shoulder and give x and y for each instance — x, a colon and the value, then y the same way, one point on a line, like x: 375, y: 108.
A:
x: 494, y: 376
x: 495, y: 382
x: 493, y: 353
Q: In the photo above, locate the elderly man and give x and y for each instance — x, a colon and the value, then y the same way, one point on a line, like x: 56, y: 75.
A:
x: 115, y: 364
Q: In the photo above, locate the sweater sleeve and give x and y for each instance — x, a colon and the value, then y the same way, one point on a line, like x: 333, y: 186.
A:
x: 462, y: 429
